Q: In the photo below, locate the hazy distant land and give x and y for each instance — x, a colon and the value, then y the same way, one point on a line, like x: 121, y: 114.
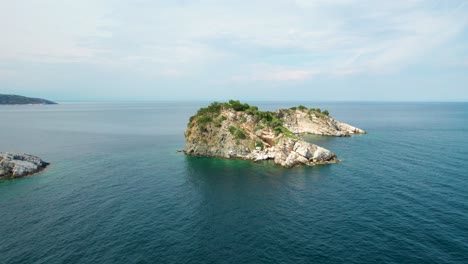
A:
x: 11, y: 99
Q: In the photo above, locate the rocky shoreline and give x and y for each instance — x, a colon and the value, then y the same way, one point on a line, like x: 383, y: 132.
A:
x: 236, y: 130
x: 17, y: 165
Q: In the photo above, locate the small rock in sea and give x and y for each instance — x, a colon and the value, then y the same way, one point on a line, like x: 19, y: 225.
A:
x: 16, y: 165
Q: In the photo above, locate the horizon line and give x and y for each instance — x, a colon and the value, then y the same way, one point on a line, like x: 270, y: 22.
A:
x: 250, y: 100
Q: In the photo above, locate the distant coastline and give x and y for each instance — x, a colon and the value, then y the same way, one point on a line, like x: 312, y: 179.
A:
x: 11, y: 99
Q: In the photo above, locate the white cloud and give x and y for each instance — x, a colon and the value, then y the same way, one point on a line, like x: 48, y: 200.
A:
x: 50, y: 31
x: 174, y: 39
x: 380, y: 38
x: 264, y: 72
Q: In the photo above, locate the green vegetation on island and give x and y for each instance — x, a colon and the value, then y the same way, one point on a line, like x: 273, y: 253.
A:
x: 263, y: 119
x: 316, y: 111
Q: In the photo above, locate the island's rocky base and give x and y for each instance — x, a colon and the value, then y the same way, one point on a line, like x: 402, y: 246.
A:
x: 16, y: 165
x: 287, y: 152
x: 234, y: 130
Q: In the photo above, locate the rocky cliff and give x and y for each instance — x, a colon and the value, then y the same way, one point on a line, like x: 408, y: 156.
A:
x: 13, y: 165
x: 313, y: 121
x: 236, y: 130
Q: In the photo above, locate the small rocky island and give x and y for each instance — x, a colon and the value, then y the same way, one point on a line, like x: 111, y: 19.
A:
x: 11, y: 99
x: 14, y: 165
x: 237, y: 130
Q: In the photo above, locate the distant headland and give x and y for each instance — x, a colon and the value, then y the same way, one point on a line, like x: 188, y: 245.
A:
x: 237, y: 130
x: 11, y: 99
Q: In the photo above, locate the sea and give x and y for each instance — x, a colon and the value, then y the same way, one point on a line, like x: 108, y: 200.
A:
x: 118, y: 190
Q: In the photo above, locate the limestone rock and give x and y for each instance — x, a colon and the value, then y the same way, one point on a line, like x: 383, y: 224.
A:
x: 293, y: 152
x: 14, y: 165
x: 312, y: 122
x: 235, y: 130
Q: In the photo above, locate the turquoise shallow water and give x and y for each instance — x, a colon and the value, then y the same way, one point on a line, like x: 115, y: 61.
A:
x: 118, y: 192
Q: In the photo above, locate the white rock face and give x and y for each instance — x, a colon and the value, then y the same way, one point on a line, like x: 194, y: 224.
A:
x: 14, y: 165
x: 304, y: 122
x: 292, y: 152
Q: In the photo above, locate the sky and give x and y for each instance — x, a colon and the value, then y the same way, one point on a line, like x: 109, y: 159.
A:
x: 322, y: 50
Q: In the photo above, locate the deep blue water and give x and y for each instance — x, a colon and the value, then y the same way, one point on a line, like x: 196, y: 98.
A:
x: 118, y: 192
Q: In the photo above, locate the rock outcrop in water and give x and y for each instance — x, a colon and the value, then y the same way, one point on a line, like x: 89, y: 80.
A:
x: 14, y: 165
x: 235, y: 130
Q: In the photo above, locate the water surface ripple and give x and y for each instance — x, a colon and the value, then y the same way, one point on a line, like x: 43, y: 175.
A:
x: 117, y: 191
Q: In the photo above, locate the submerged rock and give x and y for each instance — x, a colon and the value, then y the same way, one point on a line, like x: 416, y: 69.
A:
x: 235, y: 130
x: 15, y: 165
